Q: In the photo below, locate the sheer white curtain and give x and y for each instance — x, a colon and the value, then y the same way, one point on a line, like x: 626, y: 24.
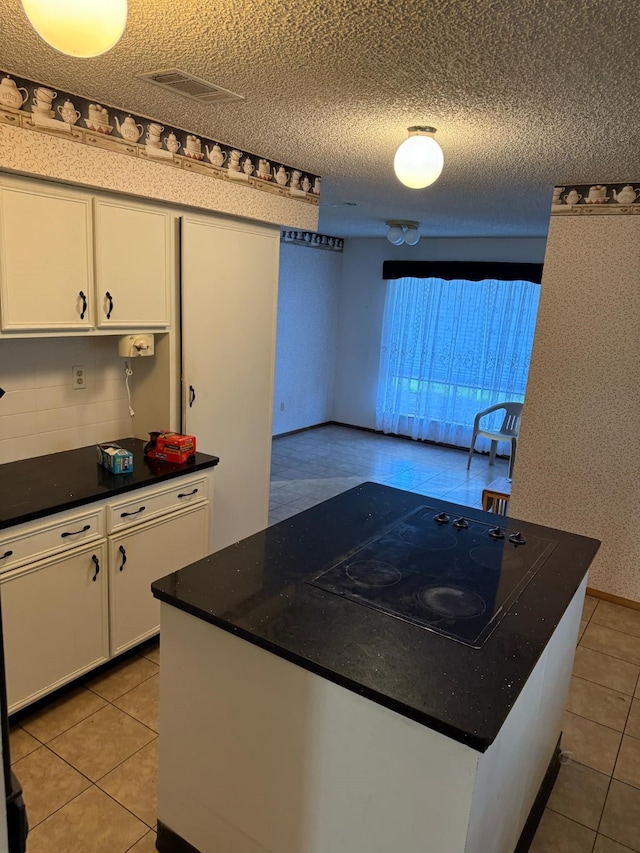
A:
x: 450, y: 349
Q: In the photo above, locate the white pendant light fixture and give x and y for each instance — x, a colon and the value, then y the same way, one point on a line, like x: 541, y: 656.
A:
x: 403, y: 231
x: 80, y: 28
x: 419, y: 159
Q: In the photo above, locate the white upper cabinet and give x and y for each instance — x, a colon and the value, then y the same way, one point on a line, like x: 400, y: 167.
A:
x: 134, y: 264
x: 72, y: 260
x: 46, y: 258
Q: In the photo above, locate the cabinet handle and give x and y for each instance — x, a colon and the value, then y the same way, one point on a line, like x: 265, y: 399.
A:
x: 75, y: 532
x: 125, y: 514
x: 110, y: 298
x: 84, y: 305
x: 6, y: 554
x: 97, y: 565
x: 188, y: 494
x: 124, y: 556
x: 192, y: 395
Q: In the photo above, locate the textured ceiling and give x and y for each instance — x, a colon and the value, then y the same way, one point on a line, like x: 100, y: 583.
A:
x: 525, y: 94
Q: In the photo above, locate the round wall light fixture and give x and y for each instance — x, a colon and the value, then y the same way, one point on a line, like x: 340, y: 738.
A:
x: 80, y: 28
x: 401, y: 231
x: 419, y: 159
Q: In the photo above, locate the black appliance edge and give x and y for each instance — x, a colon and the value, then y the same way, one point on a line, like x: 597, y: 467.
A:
x: 170, y: 842
x: 17, y: 820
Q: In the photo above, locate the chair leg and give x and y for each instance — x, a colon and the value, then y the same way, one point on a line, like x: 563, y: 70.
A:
x: 492, y: 452
x: 512, y: 457
x: 473, y: 443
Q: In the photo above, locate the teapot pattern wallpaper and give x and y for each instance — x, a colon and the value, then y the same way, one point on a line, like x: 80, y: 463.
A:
x: 37, y: 107
x: 581, y: 199
x: 312, y: 240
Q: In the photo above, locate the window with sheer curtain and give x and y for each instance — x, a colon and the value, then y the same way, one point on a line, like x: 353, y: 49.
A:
x: 450, y: 349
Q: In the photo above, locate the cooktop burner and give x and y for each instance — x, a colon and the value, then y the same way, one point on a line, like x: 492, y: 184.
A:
x: 455, y: 576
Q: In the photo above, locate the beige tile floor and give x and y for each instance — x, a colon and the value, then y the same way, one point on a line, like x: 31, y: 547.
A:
x: 88, y: 761
x: 595, y: 804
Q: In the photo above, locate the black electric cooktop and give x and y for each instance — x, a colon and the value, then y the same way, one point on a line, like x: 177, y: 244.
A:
x: 452, y: 575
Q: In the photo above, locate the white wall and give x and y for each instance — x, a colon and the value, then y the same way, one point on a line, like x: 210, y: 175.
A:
x: 306, y: 338
x: 41, y: 413
x: 361, y: 307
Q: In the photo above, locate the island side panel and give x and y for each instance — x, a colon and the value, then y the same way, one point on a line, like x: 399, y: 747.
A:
x: 258, y: 754
x: 511, y: 771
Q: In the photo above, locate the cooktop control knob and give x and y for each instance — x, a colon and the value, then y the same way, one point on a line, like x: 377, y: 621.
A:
x: 461, y: 523
x: 517, y: 538
x: 496, y: 533
x: 441, y: 518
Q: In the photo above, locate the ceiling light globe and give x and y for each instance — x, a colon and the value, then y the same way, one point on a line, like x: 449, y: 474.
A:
x: 395, y: 235
x: 419, y: 159
x: 411, y: 236
x: 81, y: 28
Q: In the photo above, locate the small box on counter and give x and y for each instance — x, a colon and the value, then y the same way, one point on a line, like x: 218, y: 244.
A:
x: 171, y: 447
x: 115, y: 458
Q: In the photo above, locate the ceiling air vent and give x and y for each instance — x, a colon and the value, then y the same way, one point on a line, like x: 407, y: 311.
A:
x: 191, y: 87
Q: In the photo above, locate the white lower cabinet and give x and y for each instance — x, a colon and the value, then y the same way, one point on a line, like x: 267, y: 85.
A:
x: 69, y: 605
x: 142, y: 555
x: 54, y: 615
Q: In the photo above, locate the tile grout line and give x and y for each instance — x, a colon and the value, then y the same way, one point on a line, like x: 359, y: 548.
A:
x: 581, y: 644
x: 115, y: 698
x: 572, y: 819
x: 598, y: 723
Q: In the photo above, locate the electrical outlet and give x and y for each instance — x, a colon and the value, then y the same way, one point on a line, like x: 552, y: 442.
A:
x: 282, y: 407
x: 78, y: 377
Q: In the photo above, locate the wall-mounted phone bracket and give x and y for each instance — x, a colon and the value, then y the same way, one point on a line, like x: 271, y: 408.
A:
x: 131, y: 346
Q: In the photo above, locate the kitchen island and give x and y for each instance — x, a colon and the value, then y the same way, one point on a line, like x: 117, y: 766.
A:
x: 298, y: 718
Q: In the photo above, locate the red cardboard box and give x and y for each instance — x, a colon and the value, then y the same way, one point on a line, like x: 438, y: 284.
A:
x: 171, y: 447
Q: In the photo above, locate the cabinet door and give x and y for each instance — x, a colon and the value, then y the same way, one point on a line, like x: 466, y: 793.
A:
x: 55, y: 623
x: 134, y: 264
x: 46, y: 260
x: 229, y: 292
x: 141, y: 556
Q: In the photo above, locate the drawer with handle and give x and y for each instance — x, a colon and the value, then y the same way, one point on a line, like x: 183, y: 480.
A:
x: 137, y: 508
x: 34, y: 540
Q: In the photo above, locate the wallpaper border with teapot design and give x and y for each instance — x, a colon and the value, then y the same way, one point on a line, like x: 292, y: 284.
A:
x: 581, y: 199
x: 74, y: 117
x: 312, y: 240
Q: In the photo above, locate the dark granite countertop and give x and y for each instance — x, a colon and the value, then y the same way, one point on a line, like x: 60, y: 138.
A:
x: 36, y: 487
x: 257, y: 590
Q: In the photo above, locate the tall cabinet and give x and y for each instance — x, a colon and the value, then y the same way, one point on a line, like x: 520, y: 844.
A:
x: 229, y: 303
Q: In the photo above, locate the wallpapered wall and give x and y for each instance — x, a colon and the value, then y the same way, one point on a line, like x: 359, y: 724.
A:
x: 48, y: 155
x: 578, y: 465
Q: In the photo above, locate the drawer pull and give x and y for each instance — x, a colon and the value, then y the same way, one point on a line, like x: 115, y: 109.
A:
x: 124, y: 556
x: 97, y: 565
x: 126, y: 514
x: 75, y: 532
x: 6, y: 554
x: 188, y: 494
x: 84, y: 305
x: 110, y: 298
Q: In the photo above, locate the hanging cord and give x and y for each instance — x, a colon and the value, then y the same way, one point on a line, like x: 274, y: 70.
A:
x: 128, y: 371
